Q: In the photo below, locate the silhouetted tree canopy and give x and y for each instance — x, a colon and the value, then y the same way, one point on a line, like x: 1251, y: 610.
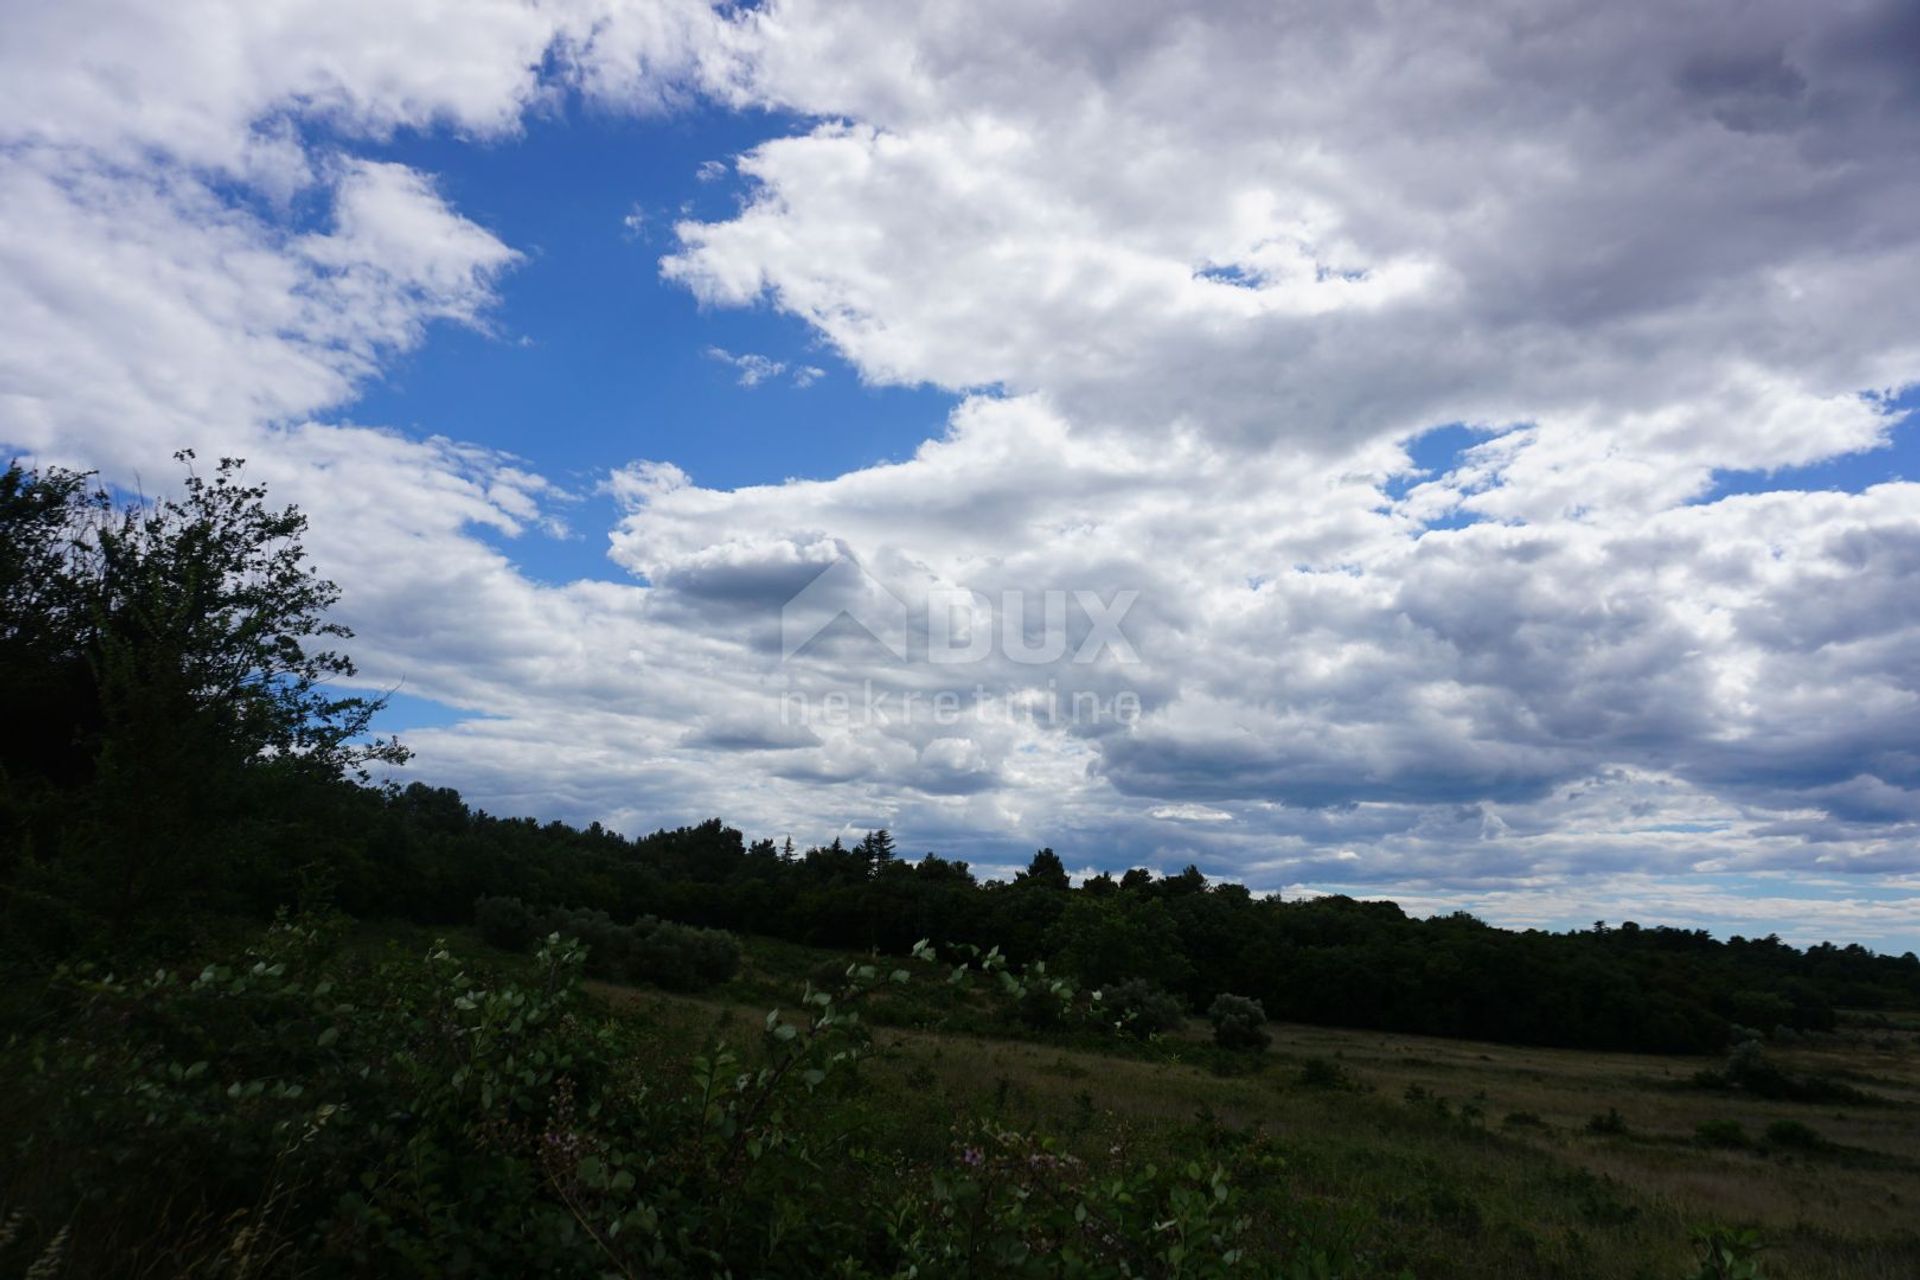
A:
x: 168, y: 680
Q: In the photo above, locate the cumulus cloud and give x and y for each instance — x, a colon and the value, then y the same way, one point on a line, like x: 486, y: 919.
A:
x: 1203, y: 279
x: 1242, y: 220
x: 1632, y: 254
x: 142, y: 309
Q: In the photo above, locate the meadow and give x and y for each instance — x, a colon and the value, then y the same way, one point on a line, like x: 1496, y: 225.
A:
x: 1441, y: 1157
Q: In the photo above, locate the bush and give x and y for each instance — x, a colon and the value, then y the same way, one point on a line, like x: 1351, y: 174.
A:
x: 505, y: 923
x: 1612, y: 1123
x: 189, y: 1124
x: 1721, y: 1133
x: 1728, y: 1253
x: 1791, y: 1133
x: 1141, y: 1009
x: 1238, y: 1023
x: 1324, y: 1073
x: 299, y: 1112
x: 1039, y: 1007
x: 1749, y: 1070
x: 676, y: 956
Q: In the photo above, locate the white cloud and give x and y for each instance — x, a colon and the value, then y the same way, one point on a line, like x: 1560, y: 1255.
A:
x: 144, y: 313
x: 1189, y: 813
x: 1204, y: 274
x: 1242, y: 220
x: 751, y: 368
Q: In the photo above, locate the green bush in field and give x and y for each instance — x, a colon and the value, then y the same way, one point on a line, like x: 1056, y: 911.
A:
x: 1791, y: 1133
x: 1238, y: 1023
x: 1727, y: 1253
x: 301, y: 1111
x: 506, y: 923
x: 1325, y: 1073
x: 1141, y: 1009
x: 1610, y: 1123
x: 1721, y: 1133
x: 648, y: 950
x: 1750, y: 1070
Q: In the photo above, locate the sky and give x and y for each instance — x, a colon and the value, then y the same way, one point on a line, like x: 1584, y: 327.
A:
x: 1468, y: 454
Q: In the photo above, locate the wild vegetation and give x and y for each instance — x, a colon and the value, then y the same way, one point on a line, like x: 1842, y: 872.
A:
x: 263, y: 1018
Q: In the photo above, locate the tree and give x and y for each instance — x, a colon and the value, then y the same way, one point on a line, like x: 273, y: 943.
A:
x: 44, y: 680
x: 876, y: 847
x: 1046, y: 871
x: 1189, y: 881
x: 184, y: 640
x: 210, y: 597
x: 1109, y: 939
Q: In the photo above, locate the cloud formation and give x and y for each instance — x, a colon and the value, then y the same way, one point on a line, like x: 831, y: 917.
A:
x: 751, y: 368
x: 1206, y: 279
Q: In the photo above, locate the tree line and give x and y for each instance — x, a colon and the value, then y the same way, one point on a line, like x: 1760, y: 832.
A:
x: 1332, y: 960
x: 173, y: 756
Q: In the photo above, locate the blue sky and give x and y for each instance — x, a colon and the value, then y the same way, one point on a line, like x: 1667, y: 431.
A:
x: 1097, y: 314
x: 1899, y: 459
x: 592, y: 361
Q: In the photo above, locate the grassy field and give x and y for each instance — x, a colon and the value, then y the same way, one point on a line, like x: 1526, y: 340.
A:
x: 1440, y: 1157
x: 1447, y: 1158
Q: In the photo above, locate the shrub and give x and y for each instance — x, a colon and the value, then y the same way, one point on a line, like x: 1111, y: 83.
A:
x: 505, y: 923
x: 1748, y: 1067
x: 1324, y: 1073
x: 302, y: 1113
x: 1791, y: 1133
x: 680, y: 956
x: 1040, y: 1008
x: 1721, y: 1133
x: 194, y: 1123
x: 1749, y: 1070
x: 1420, y: 1096
x: 1238, y: 1022
x: 1611, y: 1123
x: 1142, y: 1009
x: 1727, y: 1253
x: 676, y: 956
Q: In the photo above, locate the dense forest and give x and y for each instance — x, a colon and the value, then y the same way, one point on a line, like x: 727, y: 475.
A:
x: 1329, y: 959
